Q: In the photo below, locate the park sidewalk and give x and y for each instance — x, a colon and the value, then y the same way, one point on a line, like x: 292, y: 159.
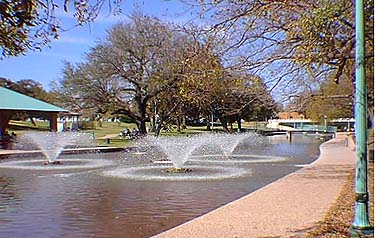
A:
x: 288, y: 207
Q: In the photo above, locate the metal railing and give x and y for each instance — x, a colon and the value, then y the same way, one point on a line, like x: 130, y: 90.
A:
x: 317, y: 128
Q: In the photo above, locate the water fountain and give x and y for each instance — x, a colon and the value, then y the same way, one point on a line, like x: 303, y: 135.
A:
x: 233, y: 148
x: 179, y: 149
x: 51, y: 145
x: 218, y: 147
x: 173, y: 157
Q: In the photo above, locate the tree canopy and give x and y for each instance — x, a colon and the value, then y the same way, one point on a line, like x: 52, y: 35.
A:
x: 296, y: 49
x: 293, y: 41
x: 31, y: 24
x: 145, y: 65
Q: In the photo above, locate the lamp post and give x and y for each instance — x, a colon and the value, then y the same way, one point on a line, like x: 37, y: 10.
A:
x: 325, y: 123
x: 155, y: 112
x: 361, y: 226
x: 155, y: 124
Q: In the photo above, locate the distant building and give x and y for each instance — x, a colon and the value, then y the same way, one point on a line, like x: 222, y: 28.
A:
x: 290, y: 115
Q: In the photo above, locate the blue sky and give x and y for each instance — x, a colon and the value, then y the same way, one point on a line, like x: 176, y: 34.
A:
x: 46, y: 66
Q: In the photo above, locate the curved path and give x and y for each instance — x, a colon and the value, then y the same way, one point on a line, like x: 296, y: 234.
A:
x: 287, y: 207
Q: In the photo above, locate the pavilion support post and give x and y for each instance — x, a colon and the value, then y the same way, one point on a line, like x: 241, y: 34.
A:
x: 4, y: 121
x: 53, y: 122
x: 289, y: 135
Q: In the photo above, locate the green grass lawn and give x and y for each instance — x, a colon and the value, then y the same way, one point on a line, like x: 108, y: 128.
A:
x: 109, y: 130
x: 112, y: 131
x: 20, y: 126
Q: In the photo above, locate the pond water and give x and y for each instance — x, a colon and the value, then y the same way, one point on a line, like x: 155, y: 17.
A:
x: 102, y: 201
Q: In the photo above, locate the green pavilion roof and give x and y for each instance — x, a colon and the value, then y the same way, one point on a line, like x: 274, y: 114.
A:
x: 11, y: 100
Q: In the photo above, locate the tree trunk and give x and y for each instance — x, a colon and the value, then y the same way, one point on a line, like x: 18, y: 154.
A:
x: 183, y: 122
x: 32, y: 121
x: 224, y: 123
x: 143, y: 128
x: 157, y: 130
x: 208, y: 125
x: 142, y: 120
x: 178, y: 123
x: 159, y: 126
x: 153, y: 124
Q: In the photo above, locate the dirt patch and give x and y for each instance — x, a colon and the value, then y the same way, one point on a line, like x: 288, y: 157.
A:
x: 338, y: 220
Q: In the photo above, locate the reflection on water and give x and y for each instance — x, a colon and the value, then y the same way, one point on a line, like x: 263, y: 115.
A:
x: 47, y: 203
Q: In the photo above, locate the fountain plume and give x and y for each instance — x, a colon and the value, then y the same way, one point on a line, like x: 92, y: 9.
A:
x: 53, y: 143
x: 179, y: 149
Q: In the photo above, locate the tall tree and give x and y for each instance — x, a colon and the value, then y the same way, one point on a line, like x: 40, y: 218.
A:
x: 288, y: 41
x: 127, y: 69
x: 245, y: 97
x: 327, y: 100
x: 70, y: 91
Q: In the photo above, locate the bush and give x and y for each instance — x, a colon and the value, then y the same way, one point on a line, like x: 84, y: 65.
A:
x: 87, y: 125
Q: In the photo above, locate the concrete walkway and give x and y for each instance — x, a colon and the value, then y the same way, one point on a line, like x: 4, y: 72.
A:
x: 287, y: 207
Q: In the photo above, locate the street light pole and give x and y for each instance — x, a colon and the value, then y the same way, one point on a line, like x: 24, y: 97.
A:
x: 155, y: 117
x: 325, y: 123
x: 361, y: 226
